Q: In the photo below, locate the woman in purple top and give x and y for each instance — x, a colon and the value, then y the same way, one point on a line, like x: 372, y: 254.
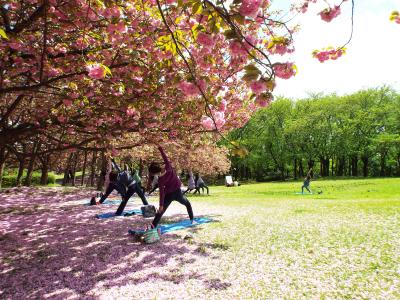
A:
x: 169, y: 186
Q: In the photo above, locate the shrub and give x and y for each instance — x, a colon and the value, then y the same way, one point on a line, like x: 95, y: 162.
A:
x: 11, y: 180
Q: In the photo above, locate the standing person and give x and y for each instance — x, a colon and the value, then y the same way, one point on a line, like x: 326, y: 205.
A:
x: 191, y: 183
x: 306, y: 183
x: 170, y: 188
x: 125, y: 185
x: 200, y: 184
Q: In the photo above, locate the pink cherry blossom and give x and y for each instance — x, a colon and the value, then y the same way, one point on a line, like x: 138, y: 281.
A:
x: 15, y: 45
x: 329, y: 54
x: 258, y: 87
x: 264, y: 99
x: 121, y: 27
x: 330, y: 13
x: 250, y: 8
x: 96, y: 71
x: 205, y: 40
x: 208, y: 123
x: 285, y: 70
x: 223, y: 105
x: 188, y: 88
x: 237, y: 49
x: 67, y: 102
x: 130, y: 112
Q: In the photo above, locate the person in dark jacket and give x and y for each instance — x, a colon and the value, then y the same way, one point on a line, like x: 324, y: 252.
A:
x: 123, y: 182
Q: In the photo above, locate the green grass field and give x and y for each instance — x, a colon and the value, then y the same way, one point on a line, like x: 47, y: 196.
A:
x: 343, y: 243
x: 266, y: 243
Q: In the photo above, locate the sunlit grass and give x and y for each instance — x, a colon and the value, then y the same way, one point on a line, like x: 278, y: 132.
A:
x: 343, y: 243
x: 266, y: 243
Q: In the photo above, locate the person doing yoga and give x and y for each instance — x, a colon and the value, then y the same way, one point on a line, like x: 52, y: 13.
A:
x: 169, y: 186
x: 123, y: 182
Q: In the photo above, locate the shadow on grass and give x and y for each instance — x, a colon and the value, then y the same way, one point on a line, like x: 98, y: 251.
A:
x: 53, y: 251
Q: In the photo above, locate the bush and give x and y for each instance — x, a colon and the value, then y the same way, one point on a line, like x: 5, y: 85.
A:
x: 11, y: 180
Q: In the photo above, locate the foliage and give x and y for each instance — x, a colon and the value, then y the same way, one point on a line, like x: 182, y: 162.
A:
x: 288, y: 137
x: 10, y: 180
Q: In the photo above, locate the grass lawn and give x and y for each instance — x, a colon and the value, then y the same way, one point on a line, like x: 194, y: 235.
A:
x: 267, y: 243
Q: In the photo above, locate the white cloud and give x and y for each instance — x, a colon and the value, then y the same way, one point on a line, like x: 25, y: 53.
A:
x: 372, y: 57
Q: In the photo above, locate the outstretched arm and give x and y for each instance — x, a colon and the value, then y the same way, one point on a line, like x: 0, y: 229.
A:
x: 167, y: 163
x: 115, y: 166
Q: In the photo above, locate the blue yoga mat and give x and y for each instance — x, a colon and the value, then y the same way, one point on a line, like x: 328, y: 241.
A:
x: 304, y: 194
x: 107, y: 202
x: 176, y: 226
x: 126, y: 213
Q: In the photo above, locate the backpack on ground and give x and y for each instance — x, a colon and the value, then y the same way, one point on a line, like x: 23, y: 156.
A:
x: 151, y: 236
x: 148, y: 211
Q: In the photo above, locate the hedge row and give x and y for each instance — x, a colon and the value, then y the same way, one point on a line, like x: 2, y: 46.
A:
x: 11, y: 180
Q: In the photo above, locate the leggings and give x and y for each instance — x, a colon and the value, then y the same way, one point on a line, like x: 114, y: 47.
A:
x: 188, y: 190
x: 134, y: 188
x: 113, y: 185
x: 177, y: 196
x: 307, y: 188
x: 201, y: 186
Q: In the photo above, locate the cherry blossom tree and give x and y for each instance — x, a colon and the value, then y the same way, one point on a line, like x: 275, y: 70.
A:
x: 112, y: 75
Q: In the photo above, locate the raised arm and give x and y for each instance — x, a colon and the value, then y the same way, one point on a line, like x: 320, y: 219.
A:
x: 167, y: 163
x: 115, y: 166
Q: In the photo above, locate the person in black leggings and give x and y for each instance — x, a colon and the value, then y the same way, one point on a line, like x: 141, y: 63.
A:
x: 125, y: 185
x: 170, y: 188
x: 200, y: 184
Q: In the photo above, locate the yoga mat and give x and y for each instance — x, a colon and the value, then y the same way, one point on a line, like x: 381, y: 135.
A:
x: 126, y: 213
x: 304, y: 194
x: 176, y: 226
x: 107, y: 202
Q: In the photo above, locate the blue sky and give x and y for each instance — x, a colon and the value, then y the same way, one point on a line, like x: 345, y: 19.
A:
x: 372, y: 57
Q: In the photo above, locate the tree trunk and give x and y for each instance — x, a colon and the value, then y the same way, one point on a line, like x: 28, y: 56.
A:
x: 28, y: 177
x: 295, y: 169
x: 354, y: 165
x: 321, y: 167
x: 141, y: 167
x: 103, y: 172
x: 326, y: 167
x: 382, y: 164
x: 84, y: 168
x: 93, y: 168
x: 21, y: 165
x: 365, y: 162
x: 31, y: 165
x: 67, y: 169
x: 301, y: 170
x: 341, y: 166
x: 75, y: 162
x: 282, y: 169
x: 45, y: 172
x: 310, y: 163
x: 2, y: 162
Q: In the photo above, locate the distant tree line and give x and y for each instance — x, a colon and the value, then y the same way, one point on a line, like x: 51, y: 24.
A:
x: 352, y: 135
